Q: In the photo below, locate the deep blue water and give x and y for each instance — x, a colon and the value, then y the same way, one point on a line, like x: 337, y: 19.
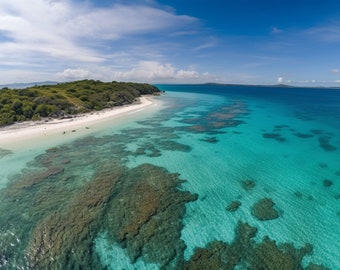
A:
x: 218, y: 177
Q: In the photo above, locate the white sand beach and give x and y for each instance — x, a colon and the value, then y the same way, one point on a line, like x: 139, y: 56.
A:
x: 28, y: 134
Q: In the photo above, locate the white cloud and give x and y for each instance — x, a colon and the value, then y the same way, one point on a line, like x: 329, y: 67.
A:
x: 153, y: 72
x: 334, y: 71
x: 276, y: 30
x: 280, y: 80
x: 52, y: 35
x: 327, y: 33
x: 74, y: 74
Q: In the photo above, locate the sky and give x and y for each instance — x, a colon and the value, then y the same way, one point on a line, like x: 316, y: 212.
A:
x: 293, y: 42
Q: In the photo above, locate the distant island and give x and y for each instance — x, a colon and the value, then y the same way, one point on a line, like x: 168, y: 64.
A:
x: 280, y: 85
x: 64, y: 100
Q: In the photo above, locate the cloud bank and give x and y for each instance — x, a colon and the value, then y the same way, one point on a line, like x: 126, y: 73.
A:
x: 64, y: 39
x: 144, y: 71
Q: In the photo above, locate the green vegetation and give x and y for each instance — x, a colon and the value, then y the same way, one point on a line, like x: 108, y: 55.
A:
x: 66, y: 99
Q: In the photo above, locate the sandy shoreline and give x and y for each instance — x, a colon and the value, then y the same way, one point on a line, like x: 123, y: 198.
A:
x: 16, y: 135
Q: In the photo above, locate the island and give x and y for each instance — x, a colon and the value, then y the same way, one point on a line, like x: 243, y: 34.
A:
x: 66, y: 100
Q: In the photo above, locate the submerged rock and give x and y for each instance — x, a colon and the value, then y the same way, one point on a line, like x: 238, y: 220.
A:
x: 264, y: 210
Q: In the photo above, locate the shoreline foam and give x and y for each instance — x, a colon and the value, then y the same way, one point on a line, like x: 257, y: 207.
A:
x: 20, y: 135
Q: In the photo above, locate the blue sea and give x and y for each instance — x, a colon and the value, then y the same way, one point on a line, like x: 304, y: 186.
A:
x: 215, y: 177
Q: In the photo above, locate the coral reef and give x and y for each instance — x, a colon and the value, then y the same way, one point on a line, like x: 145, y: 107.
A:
x: 141, y: 208
x: 64, y: 239
x: 151, y: 217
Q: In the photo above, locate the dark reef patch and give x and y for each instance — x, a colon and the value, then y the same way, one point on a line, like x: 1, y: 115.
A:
x: 281, y: 126
x: 4, y: 152
x: 317, y: 131
x: 72, y: 231
x: 327, y: 183
x: 210, y: 140
x: 150, y: 122
x: 310, y: 198
x: 325, y: 144
x: 225, y: 116
x: 298, y: 194
x: 233, y: 206
x: 248, y: 184
x: 148, y: 224
x: 323, y: 165
x: 148, y: 149
x: 275, y: 136
x: 245, y: 253
x: 303, y: 135
x: 313, y: 266
x: 264, y: 210
x: 173, y: 146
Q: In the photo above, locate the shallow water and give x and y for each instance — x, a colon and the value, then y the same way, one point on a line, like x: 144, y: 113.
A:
x: 114, y: 199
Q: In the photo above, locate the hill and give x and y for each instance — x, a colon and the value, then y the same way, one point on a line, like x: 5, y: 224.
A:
x: 24, y: 85
x: 67, y: 99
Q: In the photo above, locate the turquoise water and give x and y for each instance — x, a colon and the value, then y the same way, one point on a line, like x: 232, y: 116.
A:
x: 181, y: 187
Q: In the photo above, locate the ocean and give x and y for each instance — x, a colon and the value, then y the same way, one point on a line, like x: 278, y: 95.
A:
x: 217, y: 177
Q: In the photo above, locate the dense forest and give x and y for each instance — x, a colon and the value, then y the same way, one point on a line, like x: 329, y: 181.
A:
x: 67, y: 99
